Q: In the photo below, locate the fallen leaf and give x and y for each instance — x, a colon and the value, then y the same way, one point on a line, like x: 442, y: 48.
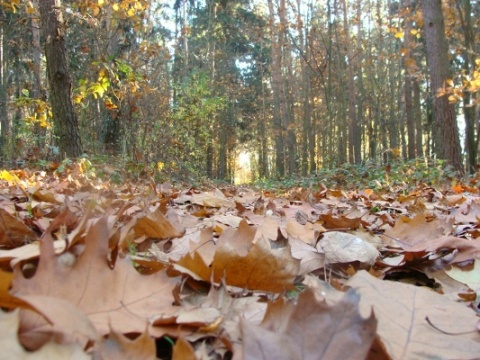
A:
x: 401, y: 310
x: 117, y: 346
x: 120, y: 299
x: 417, y: 231
x: 310, y: 258
x: 470, y: 276
x: 10, y: 346
x: 238, y: 262
x: 340, y: 247
x: 310, y: 329
x: 155, y: 225
x: 13, y: 232
x: 183, y: 350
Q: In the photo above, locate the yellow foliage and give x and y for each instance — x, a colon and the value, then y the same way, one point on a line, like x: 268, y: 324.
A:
x: 12, y: 179
x: 399, y: 34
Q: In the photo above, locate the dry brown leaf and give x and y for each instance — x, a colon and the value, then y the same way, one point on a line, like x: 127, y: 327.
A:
x: 340, y: 247
x: 310, y: 330
x: 240, y: 263
x: 467, y: 213
x: 116, y: 346
x: 310, y: 258
x: 13, y: 232
x: 183, y: 350
x: 10, y: 347
x: 155, y: 225
x: 466, y: 249
x: 417, y: 231
x: 214, y: 199
x: 401, y: 310
x: 27, y: 252
x: 119, y: 298
x: 340, y: 222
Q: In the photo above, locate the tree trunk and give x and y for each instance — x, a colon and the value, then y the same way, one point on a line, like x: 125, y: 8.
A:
x: 409, y: 109
x: 447, y: 140
x: 4, y: 122
x: 354, y: 135
x: 417, y: 115
x: 59, y: 79
x: 276, y: 90
x: 38, y: 91
x: 464, y: 8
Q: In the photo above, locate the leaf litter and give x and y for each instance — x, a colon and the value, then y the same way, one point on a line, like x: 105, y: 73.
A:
x: 145, y: 271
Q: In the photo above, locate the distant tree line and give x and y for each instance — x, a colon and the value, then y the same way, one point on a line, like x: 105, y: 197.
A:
x: 298, y: 85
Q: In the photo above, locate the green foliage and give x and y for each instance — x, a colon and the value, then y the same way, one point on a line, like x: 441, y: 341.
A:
x: 404, y: 174
x: 193, y: 119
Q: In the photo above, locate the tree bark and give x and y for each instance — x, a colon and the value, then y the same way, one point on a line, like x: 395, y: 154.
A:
x: 59, y: 79
x: 4, y: 123
x: 464, y: 8
x: 354, y: 153
x: 276, y: 91
x: 409, y: 108
x: 447, y: 140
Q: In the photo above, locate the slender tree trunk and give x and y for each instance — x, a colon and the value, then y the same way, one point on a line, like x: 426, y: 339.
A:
x: 354, y: 151
x: 447, y: 139
x: 4, y: 122
x: 38, y: 91
x: 409, y: 109
x: 464, y: 8
x: 361, y: 90
x: 417, y: 115
x: 308, y: 161
x: 287, y: 91
x: 59, y: 79
x: 276, y: 92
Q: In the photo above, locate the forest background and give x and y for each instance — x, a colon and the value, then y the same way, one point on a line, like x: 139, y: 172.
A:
x: 242, y: 90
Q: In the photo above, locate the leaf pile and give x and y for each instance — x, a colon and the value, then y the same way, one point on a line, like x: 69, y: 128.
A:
x: 145, y: 271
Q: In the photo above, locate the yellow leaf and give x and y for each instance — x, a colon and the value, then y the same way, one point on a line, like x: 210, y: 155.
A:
x: 30, y: 8
x: 12, y: 179
x: 115, y: 7
x: 399, y: 34
x: 78, y: 99
x: 102, y: 74
x: 101, y: 2
x: 42, y: 119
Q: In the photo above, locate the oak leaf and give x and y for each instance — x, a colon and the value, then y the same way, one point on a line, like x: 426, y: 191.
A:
x: 310, y: 329
x: 120, y: 298
x: 117, y: 346
x: 156, y: 225
x: 10, y: 345
x: 402, y: 309
x: 240, y: 262
x: 13, y: 232
x: 417, y: 231
x: 344, y: 248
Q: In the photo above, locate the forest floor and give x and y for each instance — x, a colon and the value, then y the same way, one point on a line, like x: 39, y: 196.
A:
x: 379, y: 263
